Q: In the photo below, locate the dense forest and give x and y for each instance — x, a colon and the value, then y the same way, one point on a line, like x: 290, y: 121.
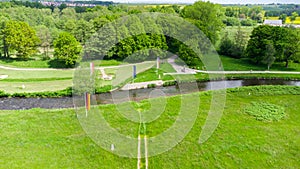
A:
x: 30, y: 28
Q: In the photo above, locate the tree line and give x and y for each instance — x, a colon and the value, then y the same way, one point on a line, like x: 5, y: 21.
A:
x: 266, y: 45
x: 24, y: 30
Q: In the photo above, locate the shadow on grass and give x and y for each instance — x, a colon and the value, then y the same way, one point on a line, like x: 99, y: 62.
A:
x: 10, y: 60
x: 54, y: 63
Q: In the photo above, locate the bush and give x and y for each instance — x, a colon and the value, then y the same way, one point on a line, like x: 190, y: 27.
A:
x: 268, y: 90
x: 248, y: 22
x: 232, y: 21
x: 103, y: 89
x: 264, y: 111
x: 170, y: 83
x: 61, y: 93
x: 151, y: 85
x: 3, y: 94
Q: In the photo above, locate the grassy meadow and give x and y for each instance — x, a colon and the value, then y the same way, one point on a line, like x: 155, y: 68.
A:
x: 40, y: 138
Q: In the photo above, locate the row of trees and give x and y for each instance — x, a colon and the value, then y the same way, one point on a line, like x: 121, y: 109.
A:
x: 255, y: 13
x: 24, y: 29
x: 267, y: 44
x: 234, y: 47
x: 20, y: 37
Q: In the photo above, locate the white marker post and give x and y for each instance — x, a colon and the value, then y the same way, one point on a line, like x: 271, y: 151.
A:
x: 92, y: 68
x: 139, y: 153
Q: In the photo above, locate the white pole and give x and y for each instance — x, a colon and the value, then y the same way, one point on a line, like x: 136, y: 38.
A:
x: 139, y: 152
x: 146, y: 151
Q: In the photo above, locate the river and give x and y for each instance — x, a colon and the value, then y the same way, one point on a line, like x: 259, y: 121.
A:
x: 134, y: 95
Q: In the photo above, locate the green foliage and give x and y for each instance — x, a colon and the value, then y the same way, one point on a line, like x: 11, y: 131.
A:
x: 294, y: 16
x: 21, y: 37
x: 234, y: 48
x: 285, y: 41
x: 232, y: 21
x: 3, y: 94
x: 67, y: 49
x: 226, y: 45
x: 170, y: 83
x: 283, y: 18
x: 207, y: 17
x: 60, y: 93
x: 269, y: 55
x: 248, y: 22
x: 264, y: 111
x: 103, y: 89
x: 151, y: 85
x: 268, y: 90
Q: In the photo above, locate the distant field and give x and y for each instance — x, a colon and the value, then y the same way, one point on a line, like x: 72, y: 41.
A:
x: 288, y: 20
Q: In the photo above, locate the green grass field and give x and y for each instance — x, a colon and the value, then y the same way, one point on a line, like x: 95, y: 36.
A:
x: 54, y: 139
x: 35, y: 81
x: 37, y: 63
x: 244, y: 64
x: 37, y: 86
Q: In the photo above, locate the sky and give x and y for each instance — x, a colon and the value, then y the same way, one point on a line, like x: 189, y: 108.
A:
x: 214, y: 1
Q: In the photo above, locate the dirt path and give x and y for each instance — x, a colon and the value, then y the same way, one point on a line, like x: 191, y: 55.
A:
x: 131, y: 86
x: 179, y: 69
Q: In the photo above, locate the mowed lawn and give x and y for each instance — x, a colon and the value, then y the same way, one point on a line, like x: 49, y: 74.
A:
x: 244, y: 64
x: 54, y: 139
x: 38, y: 63
x: 35, y: 80
x: 37, y: 86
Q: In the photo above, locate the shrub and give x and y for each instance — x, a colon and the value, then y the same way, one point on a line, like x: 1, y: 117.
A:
x: 151, y: 85
x: 248, y: 22
x: 170, y: 83
x: 3, y: 94
x: 103, y: 89
x: 264, y: 111
x: 232, y: 21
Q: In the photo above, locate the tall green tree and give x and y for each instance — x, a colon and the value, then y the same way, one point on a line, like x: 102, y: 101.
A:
x: 294, y: 16
x: 240, y: 43
x: 21, y: 37
x: 269, y: 56
x: 207, y: 17
x: 45, y: 37
x: 226, y: 45
x: 290, y: 46
x: 283, y: 18
x: 67, y: 49
x: 83, y: 31
x: 285, y: 40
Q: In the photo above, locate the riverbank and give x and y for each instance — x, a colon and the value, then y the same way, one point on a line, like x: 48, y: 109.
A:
x: 20, y: 103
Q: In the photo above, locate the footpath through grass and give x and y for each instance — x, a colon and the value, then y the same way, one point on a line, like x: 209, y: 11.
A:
x: 54, y: 139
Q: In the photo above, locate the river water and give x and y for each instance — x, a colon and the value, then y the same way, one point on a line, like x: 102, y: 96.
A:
x: 134, y: 95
